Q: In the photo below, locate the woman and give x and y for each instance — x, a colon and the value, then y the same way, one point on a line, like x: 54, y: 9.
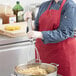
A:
x: 55, y: 42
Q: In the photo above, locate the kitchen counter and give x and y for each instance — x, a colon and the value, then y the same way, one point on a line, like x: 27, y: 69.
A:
x: 7, y: 40
x: 14, y: 51
x: 4, y: 40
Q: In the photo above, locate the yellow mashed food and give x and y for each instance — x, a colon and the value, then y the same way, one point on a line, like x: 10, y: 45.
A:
x: 12, y: 27
x: 33, y: 71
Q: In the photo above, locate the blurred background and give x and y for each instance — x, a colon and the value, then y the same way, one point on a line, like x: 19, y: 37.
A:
x: 23, y: 2
x: 7, y: 6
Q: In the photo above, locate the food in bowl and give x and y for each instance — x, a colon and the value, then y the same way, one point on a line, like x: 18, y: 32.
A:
x: 33, y: 71
x: 12, y: 27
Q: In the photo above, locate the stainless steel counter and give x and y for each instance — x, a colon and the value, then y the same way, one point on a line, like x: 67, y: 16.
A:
x: 7, y: 40
x: 14, y: 51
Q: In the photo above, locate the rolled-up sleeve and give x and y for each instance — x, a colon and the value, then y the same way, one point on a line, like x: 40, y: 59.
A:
x: 65, y: 30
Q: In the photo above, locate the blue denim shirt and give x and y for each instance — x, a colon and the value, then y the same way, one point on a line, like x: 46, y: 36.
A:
x: 67, y: 22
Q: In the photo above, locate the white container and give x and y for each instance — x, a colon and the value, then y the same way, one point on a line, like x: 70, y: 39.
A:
x: 12, y: 19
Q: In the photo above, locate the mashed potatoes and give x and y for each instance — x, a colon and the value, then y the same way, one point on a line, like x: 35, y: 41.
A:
x: 33, y: 71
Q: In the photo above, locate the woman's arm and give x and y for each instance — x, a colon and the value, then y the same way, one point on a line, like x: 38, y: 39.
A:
x: 65, y: 29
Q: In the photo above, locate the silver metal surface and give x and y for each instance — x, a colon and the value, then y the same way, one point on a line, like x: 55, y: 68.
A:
x: 7, y: 40
x: 42, y: 65
x: 14, y: 54
x: 14, y: 51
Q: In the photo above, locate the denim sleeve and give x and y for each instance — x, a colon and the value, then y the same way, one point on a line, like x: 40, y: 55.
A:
x: 65, y: 30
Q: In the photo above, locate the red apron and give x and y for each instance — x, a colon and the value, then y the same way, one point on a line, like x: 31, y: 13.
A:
x: 62, y: 53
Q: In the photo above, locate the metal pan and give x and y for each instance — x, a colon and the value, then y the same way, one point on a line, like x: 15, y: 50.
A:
x: 50, y: 68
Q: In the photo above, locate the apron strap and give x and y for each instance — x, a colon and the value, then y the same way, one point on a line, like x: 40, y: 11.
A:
x: 62, y: 4
x: 50, y: 5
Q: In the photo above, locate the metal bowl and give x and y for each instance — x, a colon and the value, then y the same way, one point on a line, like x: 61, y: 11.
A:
x: 50, y: 68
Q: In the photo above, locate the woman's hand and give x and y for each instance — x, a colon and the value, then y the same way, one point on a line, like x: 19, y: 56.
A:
x: 34, y: 34
x: 27, y: 15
